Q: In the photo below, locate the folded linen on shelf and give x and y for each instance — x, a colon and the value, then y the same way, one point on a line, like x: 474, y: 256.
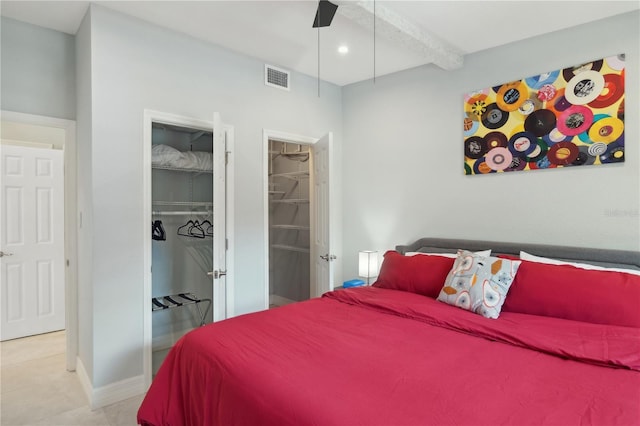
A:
x: 167, y: 156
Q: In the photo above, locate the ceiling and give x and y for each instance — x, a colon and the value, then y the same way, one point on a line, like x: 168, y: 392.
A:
x: 408, y: 33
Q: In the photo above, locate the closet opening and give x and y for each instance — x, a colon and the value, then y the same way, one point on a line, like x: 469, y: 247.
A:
x: 289, y: 222
x: 188, y: 181
x: 182, y: 201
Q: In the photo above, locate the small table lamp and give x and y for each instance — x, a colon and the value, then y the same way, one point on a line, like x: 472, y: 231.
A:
x: 368, y: 264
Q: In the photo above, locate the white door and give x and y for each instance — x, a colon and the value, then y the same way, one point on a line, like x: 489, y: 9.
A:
x: 219, y: 220
x: 322, y: 256
x: 31, y: 241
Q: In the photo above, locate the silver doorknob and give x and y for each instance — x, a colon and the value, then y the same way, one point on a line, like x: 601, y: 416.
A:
x: 328, y: 257
x: 3, y: 254
x: 217, y: 274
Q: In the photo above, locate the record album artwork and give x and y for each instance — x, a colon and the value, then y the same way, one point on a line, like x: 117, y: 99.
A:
x: 564, y: 118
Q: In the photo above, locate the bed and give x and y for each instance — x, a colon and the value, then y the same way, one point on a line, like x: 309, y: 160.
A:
x: 564, y: 350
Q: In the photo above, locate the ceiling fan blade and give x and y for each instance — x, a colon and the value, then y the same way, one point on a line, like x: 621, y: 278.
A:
x: 324, y: 14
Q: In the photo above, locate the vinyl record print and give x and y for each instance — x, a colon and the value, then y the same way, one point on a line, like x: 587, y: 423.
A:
x: 511, y: 95
x: 496, y: 139
x: 575, y: 120
x: 543, y: 79
x: 611, y: 92
x: 539, y: 152
x: 498, y: 158
x: 522, y: 144
x: 606, y: 130
x: 470, y: 126
x: 614, y: 154
x: 517, y: 164
x: 529, y: 105
x: 475, y: 147
x: 563, y: 153
x: 584, y: 87
x: 569, y: 117
x: 616, y: 62
x: 583, y: 158
x: 540, y: 122
x: 555, y: 136
x: 494, y: 117
x: 597, y: 149
x: 569, y: 73
x: 480, y: 167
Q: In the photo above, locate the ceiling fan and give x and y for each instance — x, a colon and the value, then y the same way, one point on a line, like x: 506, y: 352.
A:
x: 324, y: 14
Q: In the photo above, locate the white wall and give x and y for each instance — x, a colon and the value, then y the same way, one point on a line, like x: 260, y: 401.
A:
x: 38, y: 70
x: 85, y: 198
x: 133, y: 66
x: 403, y: 156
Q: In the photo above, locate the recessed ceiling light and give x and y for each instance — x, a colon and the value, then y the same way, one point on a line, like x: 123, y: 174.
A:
x: 343, y: 50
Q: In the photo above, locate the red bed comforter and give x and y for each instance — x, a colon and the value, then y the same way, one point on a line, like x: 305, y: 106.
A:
x: 372, y: 356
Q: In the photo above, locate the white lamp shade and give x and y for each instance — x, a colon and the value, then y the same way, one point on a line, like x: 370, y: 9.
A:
x: 368, y: 264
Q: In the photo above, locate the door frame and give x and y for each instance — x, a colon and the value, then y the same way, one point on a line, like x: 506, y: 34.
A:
x: 149, y: 117
x: 70, y: 222
x: 280, y: 136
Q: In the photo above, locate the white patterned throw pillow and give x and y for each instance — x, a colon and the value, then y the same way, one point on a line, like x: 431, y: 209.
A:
x: 479, y: 283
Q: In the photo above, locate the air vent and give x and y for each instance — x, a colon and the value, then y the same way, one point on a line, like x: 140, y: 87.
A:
x: 276, y: 77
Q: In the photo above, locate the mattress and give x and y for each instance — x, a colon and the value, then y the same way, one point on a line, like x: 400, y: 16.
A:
x: 376, y: 356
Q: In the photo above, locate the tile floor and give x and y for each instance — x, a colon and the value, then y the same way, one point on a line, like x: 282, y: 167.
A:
x: 37, y: 390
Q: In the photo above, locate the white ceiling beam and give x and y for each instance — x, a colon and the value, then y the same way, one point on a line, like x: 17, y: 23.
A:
x: 395, y: 28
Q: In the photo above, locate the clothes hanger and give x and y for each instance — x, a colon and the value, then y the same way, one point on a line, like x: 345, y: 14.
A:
x: 209, y: 228
x: 184, y: 229
x: 157, y: 231
x: 196, y: 230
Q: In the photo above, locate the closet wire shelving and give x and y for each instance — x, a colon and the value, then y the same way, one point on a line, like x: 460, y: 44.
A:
x: 196, y: 208
x: 301, y: 156
x: 208, y: 205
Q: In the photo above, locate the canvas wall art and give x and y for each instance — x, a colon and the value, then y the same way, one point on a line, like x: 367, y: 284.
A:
x: 565, y: 118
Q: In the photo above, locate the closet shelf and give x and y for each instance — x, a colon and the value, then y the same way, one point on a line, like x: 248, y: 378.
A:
x: 288, y: 153
x: 177, y: 300
x: 291, y: 248
x: 181, y: 212
x: 295, y: 227
x: 179, y: 169
x: 291, y: 175
x: 276, y: 192
x: 291, y: 201
x: 183, y: 203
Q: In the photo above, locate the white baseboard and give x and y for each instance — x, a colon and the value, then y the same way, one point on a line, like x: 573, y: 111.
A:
x: 84, y: 379
x: 111, y: 393
x: 118, y: 391
x: 274, y: 299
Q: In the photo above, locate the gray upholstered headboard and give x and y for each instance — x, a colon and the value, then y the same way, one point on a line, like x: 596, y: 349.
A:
x: 600, y: 257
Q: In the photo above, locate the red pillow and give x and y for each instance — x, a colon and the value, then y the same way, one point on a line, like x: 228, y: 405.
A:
x: 508, y: 256
x: 564, y: 291
x: 416, y: 274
